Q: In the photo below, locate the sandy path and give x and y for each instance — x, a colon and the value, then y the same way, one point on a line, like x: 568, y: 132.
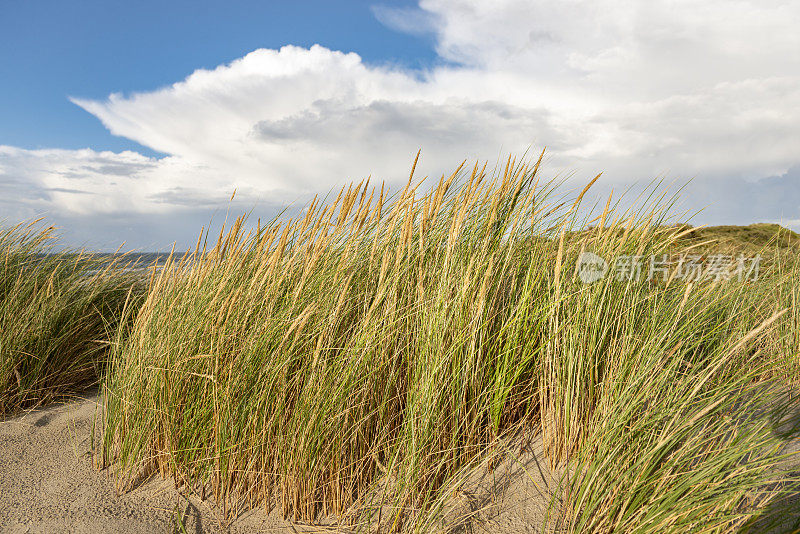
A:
x: 48, y: 485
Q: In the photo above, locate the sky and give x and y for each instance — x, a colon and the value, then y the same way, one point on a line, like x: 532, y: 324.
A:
x: 135, y: 122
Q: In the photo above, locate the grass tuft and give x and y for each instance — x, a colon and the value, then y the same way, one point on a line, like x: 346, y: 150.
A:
x: 58, y: 309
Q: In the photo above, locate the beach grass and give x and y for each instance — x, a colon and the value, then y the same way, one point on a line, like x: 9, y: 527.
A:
x: 349, y: 365
x: 58, y: 310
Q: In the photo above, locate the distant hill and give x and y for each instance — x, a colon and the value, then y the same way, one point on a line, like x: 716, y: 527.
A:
x: 760, y: 237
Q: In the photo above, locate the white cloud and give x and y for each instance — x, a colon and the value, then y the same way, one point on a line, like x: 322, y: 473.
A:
x: 405, y: 19
x: 636, y: 89
x: 87, y: 182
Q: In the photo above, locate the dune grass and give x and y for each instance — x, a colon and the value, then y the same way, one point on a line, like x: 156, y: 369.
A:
x: 57, y: 311
x: 352, y: 363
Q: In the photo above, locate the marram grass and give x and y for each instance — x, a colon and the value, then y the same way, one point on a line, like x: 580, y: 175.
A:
x: 350, y: 364
x: 57, y: 312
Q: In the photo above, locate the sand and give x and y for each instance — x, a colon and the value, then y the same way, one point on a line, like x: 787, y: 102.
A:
x: 48, y: 484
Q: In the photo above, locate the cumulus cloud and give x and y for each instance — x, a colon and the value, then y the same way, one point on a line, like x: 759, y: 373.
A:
x: 638, y: 90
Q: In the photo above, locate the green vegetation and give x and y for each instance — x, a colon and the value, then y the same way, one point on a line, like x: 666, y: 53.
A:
x: 768, y: 240
x: 758, y: 236
x: 354, y: 363
x: 57, y: 312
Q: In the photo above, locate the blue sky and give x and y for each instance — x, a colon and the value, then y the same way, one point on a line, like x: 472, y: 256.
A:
x: 134, y: 122
x: 53, y: 49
